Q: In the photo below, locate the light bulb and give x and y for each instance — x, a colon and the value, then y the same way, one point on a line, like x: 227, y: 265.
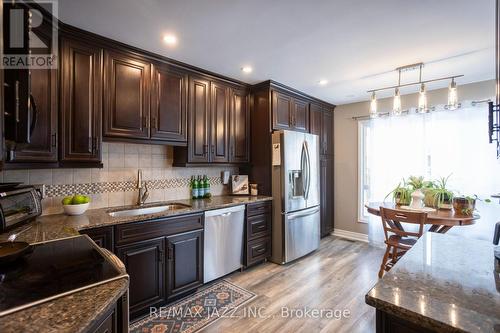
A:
x: 396, y: 105
x: 373, y: 106
x: 422, y: 100
x: 452, y: 96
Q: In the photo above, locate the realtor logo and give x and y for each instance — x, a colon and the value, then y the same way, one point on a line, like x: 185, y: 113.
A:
x: 30, y: 34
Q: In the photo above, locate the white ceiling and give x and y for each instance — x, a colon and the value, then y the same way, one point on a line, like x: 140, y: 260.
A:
x: 355, y: 44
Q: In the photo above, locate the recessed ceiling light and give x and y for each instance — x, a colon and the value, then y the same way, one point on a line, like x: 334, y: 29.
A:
x: 322, y: 82
x: 247, y: 69
x: 170, y: 39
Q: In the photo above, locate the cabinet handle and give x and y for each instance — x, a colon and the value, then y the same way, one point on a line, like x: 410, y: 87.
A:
x: 169, y: 253
x: 145, y: 122
x: 205, y: 149
x: 17, y: 101
x: 260, y: 250
x: 54, y: 140
x: 160, y: 255
x: 213, y: 149
x: 153, y: 123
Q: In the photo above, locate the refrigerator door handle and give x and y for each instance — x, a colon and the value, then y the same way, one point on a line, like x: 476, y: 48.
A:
x: 306, y: 170
x: 303, y: 213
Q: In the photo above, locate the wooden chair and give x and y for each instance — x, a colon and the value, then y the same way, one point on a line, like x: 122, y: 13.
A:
x: 398, y: 240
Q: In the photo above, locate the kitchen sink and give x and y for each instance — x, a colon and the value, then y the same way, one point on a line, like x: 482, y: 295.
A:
x: 148, y: 210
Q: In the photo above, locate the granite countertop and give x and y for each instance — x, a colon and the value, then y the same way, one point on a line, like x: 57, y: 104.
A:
x: 444, y: 283
x: 74, y: 313
x: 56, y: 226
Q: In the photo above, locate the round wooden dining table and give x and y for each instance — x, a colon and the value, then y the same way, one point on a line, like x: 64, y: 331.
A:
x: 440, y: 220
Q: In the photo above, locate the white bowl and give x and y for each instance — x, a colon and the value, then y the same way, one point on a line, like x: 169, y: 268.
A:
x: 76, y: 209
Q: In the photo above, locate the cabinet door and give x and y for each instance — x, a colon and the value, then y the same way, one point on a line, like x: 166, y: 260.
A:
x: 103, y: 237
x: 300, y: 115
x: 185, y: 262
x: 81, y: 100
x: 199, y: 115
x: 239, y: 137
x: 282, y: 111
x: 219, y: 143
x: 127, y: 95
x: 327, y: 132
x: 315, y: 123
x: 326, y: 187
x: 43, y: 116
x: 169, y: 104
x: 144, y: 262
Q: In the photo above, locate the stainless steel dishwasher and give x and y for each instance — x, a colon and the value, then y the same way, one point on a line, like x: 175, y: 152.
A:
x: 223, y: 243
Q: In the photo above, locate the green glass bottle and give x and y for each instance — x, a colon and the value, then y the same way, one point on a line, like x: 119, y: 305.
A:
x: 194, y: 187
x: 206, y: 186
x: 201, y: 189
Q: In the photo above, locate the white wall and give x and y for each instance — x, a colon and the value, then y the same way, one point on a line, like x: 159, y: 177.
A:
x: 346, y: 146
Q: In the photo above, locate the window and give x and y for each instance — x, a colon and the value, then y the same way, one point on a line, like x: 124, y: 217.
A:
x: 433, y: 145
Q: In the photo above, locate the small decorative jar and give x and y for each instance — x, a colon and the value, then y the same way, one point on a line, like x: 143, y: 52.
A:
x: 417, y: 199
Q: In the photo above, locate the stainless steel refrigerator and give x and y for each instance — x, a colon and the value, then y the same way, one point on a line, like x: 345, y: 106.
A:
x: 296, y: 193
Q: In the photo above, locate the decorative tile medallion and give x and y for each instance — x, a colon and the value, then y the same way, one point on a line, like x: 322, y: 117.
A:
x: 126, y: 186
x: 196, y: 311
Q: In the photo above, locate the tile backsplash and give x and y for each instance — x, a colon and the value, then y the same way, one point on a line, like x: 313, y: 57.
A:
x: 114, y: 184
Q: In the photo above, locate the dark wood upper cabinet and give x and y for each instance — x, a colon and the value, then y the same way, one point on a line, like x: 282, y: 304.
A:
x: 282, y: 111
x: 126, y: 96
x: 81, y: 102
x: 219, y: 143
x: 316, y: 121
x: 239, y: 136
x: 300, y: 115
x: 145, y: 264
x: 169, y: 104
x: 321, y: 123
x: 184, y: 263
x: 289, y: 113
x: 199, y: 120
x: 327, y: 132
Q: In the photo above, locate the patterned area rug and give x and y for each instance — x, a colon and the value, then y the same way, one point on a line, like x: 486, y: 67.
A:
x: 196, y: 311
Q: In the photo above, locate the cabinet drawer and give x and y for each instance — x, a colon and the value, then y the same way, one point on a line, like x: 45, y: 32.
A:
x: 258, y: 249
x: 132, y: 232
x: 258, y: 226
x: 259, y: 208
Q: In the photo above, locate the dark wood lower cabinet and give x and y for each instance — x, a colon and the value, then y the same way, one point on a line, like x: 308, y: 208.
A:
x: 115, y: 320
x: 184, y: 263
x: 387, y: 323
x: 145, y: 265
x: 102, y: 236
x: 326, y: 188
x: 257, y: 233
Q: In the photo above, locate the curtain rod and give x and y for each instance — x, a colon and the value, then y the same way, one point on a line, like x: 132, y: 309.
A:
x: 407, y: 111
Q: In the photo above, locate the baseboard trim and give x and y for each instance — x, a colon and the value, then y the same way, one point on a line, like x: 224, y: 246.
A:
x: 356, y: 236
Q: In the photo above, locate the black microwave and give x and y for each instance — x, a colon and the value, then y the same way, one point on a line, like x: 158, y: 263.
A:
x: 18, y: 206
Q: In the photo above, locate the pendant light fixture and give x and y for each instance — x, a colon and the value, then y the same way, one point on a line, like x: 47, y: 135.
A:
x: 423, y: 106
x: 396, y: 104
x: 452, y: 95
x: 373, y: 106
x: 422, y: 100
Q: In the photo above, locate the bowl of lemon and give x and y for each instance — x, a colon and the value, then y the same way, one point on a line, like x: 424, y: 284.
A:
x: 76, y: 204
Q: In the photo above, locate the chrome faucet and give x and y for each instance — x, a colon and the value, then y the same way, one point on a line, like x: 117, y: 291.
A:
x: 143, y: 192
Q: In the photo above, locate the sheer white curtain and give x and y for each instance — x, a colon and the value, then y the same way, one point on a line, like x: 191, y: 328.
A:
x: 433, y: 145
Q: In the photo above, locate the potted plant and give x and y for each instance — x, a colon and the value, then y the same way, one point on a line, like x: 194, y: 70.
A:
x: 421, y: 188
x: 441, y: 196
x: 401, y: 194
x: 466, y: 204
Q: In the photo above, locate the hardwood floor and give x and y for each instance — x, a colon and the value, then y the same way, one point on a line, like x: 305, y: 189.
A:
x: 335, y: 277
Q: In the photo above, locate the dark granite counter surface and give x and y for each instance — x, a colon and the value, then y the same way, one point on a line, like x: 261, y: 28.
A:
x: 444, y: 283
x: 55, y: 226
x: 74, y: 313
x: 79, y: 311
